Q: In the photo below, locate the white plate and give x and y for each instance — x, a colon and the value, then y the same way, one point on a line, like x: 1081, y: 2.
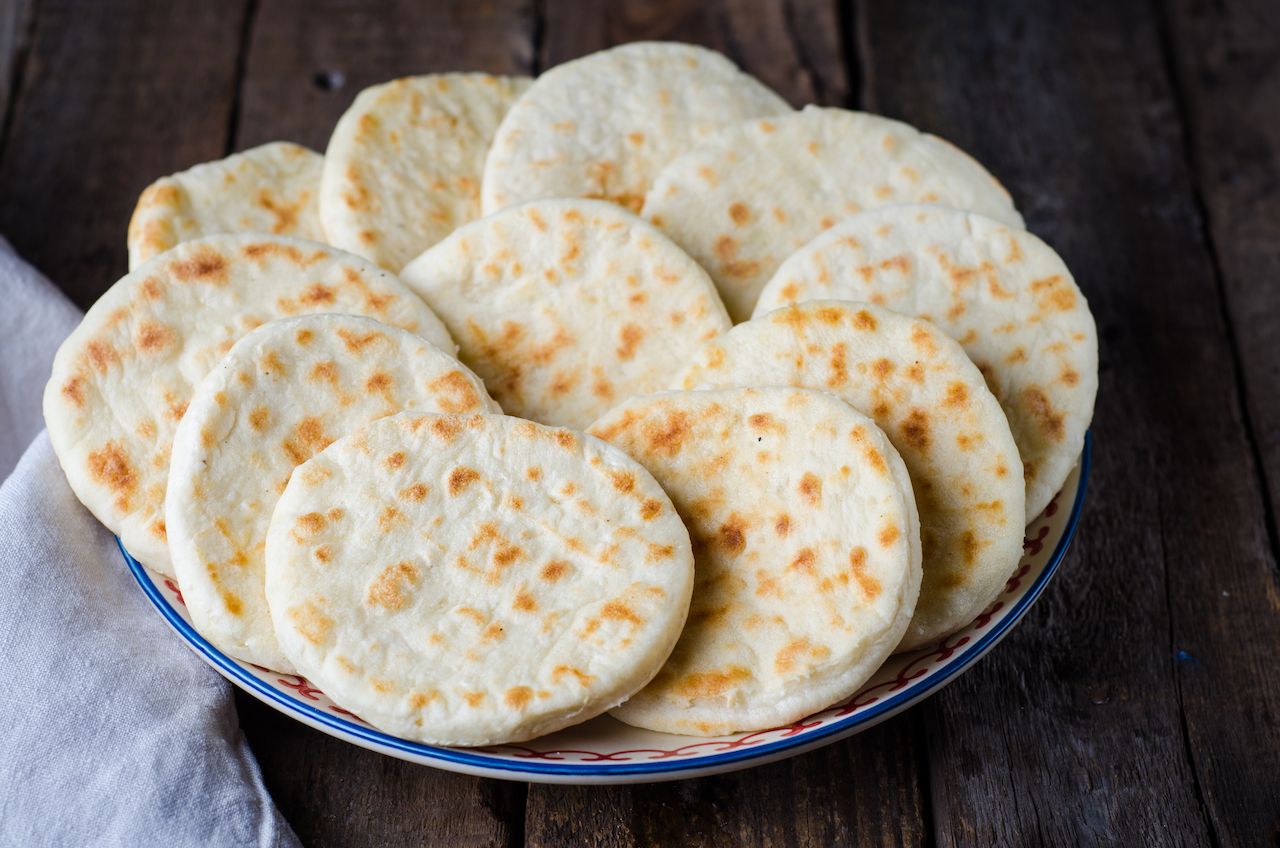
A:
x: 604, y: 750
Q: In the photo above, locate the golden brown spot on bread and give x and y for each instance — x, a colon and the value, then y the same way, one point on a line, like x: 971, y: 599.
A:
x: 882, y: 368
x: 388, y: 589
x: 355, y: 342
x: 811, y: 488
x: 109, y: 466
x: 969, y: 547
x: 650, y: 509
x: 416, y: 492
x: 561, y: 670
x: 473, y: 699
x: 710, y: 684
x: 1050, y: 421
x: 517, y: 697
x: 554, y: 570
x: 534, y: 473
x: 158, y: 529
x: 308, y: 524
x: 630, y: 335
x: 915, y: 429
x: 957, y: 395
x: 324, y: 553
x: 782, y: 525
x: 389, y: 518
x: 493, y: 633
x: 858, y: 564
x: 659, y: 552
x: 260, y: 418
x: 1052, y: 294
x: 923, y: 339
x: 151, y: 288
x: 739, y: 213
x: 379, y: 382
x: 310, y: 622
x: 153, y: 337
x: 205, y: 265
x: 668, y: 437
x: 1069, y: 376
x: 460, y: 478
x: 888, y: 535
x: 324, y: 372
x: 307, y: 439
x: 864, y: 320
x: 915, y: 373
x: 731, y: 537
x: 445, y: 429
x: 1019, y: 354
x: 396, y: 460
x: 304, y: 337
x: 525, y: 602
x: 102, y: 355
x: 418, y: 700
x: 839, y: 366
x: 272, y: 364
x: 618, y: 611
x: 803, y: 561
x: 73, y: 390
x: 785, y: 660
x: 623, y: 481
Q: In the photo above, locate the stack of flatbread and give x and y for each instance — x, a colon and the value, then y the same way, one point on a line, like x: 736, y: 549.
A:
x: 455, y: 421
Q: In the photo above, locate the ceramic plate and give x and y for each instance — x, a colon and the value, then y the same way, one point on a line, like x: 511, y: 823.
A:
x: 604, y: 750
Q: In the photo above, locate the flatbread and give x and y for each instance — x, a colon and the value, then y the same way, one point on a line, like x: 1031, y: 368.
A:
x: 743, y: 200
x: 403, y: 165
x: 603, y: 126
x: 565, y: 307
x: 267, y: 189
x: 503, y: 581
x: 1005, y: 295
x: 283, y: 392
x: 916, y: 383
x: 123, y: 379
x: 806, y: 545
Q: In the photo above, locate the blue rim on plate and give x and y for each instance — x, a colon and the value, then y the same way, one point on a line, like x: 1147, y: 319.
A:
x: 232, y: 670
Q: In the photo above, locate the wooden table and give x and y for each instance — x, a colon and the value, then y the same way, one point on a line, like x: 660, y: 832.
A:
x: 1138, y: 704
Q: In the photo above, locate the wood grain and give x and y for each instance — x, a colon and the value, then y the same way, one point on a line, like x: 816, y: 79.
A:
x: 1226, y: 59
x: 334, y: 793
x: 307, y: 61
x: 851, y: 793
x: 15, y: 21
x: 113, y: 96
x: 1074, y: 730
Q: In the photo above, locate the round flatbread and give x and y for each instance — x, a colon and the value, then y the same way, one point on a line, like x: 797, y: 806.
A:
x: 807, y: 552
x: 1005, y: 295
x: 917, y: 384
x: 123, y: 379
x: 283, y: 392
x: 268, y: 189
x: 746, y: 198
x: 403, y: 165
x: 603, y: 126
x: 503, y: 581
x: 565, y: 307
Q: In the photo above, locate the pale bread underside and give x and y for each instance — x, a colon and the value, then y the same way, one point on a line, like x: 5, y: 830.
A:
x: 283, y: 392
x: 744, y: 199
x: 404, y: 163
x: 505, y: 580
x: 1005, y: 295
x: 603, y: 126
x: 807, y: 552
x: 273, y: 189
x: 565, y: 307
x: 917, y: 384
x: 122, y: 380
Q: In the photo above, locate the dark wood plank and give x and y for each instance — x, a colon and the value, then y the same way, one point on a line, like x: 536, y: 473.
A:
x: 795, y: 46
x: 308, y: 60
x: 867, y: 790
x: 336, y: 794
x: 305, y: 63
x: 840, y: 795
x: 113, y: 96
x: 1136, y: 695
x: 15, y: 21
x: 1227, y: 62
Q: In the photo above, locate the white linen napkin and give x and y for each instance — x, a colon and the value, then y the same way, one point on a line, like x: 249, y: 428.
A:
x: 115, y: 734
